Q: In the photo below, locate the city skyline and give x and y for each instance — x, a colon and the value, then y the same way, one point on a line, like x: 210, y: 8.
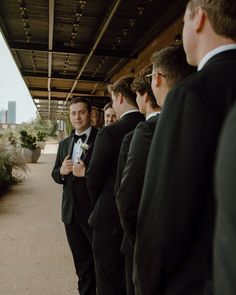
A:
x: 8, y: 116
x: 13, y: 87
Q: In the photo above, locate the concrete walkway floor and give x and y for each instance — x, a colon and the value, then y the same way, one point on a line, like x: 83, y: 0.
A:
x: 34, y: 255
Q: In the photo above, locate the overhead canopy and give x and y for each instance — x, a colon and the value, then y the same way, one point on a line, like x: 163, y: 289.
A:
x: 66, y: 48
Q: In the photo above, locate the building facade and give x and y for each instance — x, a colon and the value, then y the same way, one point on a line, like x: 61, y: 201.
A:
x: 11, y: 114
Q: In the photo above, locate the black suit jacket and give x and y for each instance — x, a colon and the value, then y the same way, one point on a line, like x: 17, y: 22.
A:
x: 126, y: 246
x: 130, y: 189
x: 123, y: 154
x: 174, y: 235
x: 73, y: 186
x: 225, y: 186
x: 101, y: 173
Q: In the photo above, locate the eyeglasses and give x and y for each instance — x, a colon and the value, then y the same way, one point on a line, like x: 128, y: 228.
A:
x: 154, y: 74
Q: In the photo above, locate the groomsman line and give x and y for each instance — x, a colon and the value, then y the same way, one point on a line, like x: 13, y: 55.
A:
x: 148, y: 189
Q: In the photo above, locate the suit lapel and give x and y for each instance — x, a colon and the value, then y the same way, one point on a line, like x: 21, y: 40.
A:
x: 91, y: 136
x: 90, y: 142
x: 70, y: 146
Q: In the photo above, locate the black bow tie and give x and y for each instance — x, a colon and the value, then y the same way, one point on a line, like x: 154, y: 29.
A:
x: 77, y: 137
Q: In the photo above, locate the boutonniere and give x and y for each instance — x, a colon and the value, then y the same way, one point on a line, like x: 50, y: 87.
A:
x: 84, y: 147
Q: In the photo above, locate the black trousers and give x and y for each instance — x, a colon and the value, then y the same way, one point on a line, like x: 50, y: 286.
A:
x: 109, y: 263
x: 129, y: 255
x: 79, y: 236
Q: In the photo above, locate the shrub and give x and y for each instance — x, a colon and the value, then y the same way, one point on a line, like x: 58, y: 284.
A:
x: 27, y: 140
x: 10, y: 135
x: 12, y: 164
x: 40, y: 125
x: 41, y: 135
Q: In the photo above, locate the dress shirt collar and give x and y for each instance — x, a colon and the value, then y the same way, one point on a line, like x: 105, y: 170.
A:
x: 87, y: 132
x: 129, y: 112
x: 212, y: 53
x: 152, y: 115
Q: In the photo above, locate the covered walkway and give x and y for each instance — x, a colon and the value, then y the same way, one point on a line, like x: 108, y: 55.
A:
x: 34, y: 256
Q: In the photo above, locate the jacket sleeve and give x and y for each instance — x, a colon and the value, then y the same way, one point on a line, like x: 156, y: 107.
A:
x: 130, y: 189
x: 99, y: 164
x: 58, y: 178
x: 173, y: 190
x: 124, y: 149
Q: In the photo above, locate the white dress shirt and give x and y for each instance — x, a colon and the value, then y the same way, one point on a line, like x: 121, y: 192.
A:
x: 129, y: 112
x: 152, y: 115
x: 77, y: 150
x: 215, y: 51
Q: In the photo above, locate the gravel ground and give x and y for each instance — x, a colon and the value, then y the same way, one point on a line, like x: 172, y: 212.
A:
x: 34, y: 255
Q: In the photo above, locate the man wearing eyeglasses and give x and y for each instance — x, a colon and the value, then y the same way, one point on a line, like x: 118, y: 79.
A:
x: 171, y: 62
x: 174, y: 238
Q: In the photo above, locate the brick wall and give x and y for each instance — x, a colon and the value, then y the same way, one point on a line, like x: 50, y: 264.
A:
x: 166, y: 38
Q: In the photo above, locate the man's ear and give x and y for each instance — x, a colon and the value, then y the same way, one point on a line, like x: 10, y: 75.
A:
x: 155, y: 79
x: 145, y: 97
x: 120, y: 98
x: 199, y: 19
x: 158, y: 79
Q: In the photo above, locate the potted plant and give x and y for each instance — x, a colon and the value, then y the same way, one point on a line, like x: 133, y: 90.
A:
x: 12, y: 165
x: 30, y: 150
x: 41, y: 139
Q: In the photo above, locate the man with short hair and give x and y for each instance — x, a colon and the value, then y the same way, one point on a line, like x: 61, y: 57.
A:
x: 169, y: 67
x: 109, y: 114
x: 147, y: 105
x: 173, y: 251
x: 171, y: 62
x: 101, y: 175
x: 76, y: 204
x: 95, y: 117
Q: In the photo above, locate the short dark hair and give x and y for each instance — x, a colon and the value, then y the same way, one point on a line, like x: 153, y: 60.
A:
x: 123, y: 86
x: 221, y: 15
x: 142, y: 85
x: 95, y: 108
x: 172, y: 63
x: 107, y: 106
x: 83, y: 100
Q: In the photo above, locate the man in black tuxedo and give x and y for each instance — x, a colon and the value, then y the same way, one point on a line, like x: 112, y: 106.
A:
x: 173, y: 250
x: 147, y: 105
x: 73, y: 153
x: 101, y: 175
x: 225, y: 187
x: 171, y: 62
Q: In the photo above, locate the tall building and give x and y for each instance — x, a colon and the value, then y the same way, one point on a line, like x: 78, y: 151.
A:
x: 3, y: 116
x: 11, y: 114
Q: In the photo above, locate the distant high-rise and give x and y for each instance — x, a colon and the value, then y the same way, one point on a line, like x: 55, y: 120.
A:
x: 3, y: 116
x: 11, y: 114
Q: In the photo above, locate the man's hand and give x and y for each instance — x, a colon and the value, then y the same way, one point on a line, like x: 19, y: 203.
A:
x: 67, y: 166
x: 79, y: 169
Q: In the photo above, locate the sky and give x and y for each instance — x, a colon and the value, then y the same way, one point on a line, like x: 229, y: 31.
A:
x: 13, y: 87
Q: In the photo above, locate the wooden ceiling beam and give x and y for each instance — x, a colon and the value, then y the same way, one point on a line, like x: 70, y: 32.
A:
x: 28, y: 74
x: 60, y: 49
x: 80, y: 94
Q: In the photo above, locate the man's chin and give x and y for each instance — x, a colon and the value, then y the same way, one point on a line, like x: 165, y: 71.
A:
x: 78, y: 125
